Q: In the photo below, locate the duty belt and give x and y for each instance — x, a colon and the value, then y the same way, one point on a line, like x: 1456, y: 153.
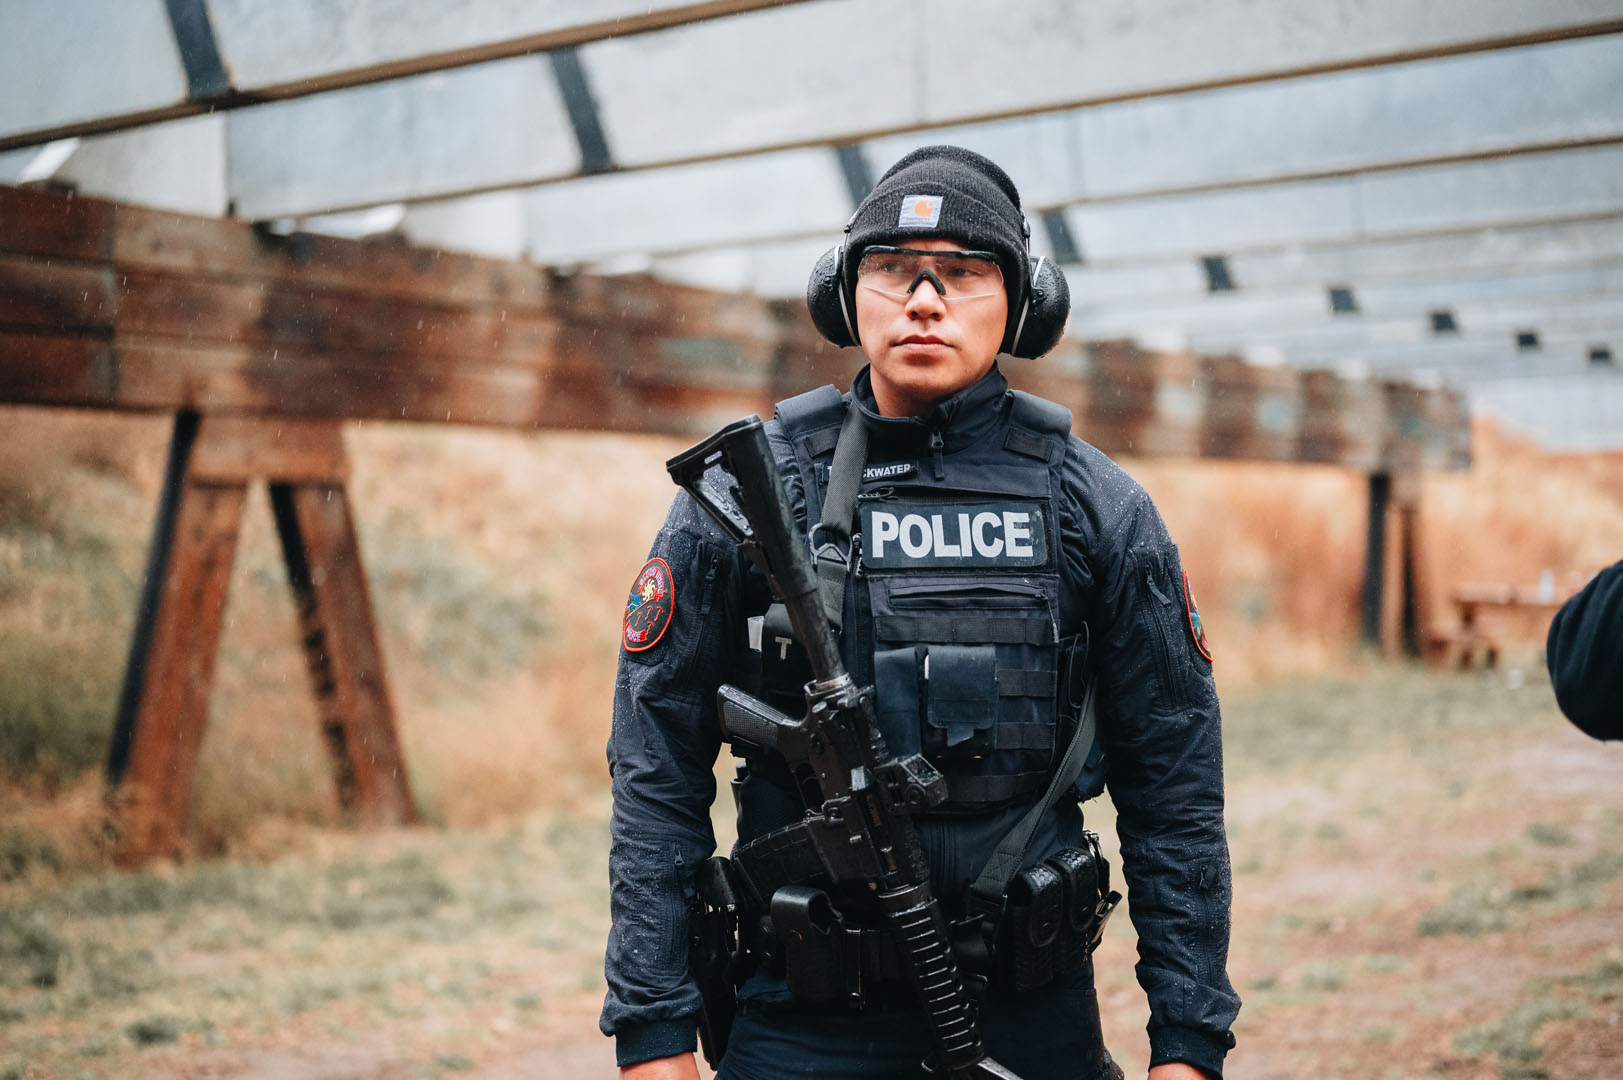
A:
x: 1048, y: 924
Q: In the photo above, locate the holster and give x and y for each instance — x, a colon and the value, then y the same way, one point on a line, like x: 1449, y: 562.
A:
x: 716, y: 955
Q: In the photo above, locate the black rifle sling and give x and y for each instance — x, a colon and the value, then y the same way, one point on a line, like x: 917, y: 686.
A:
x: 839, y: 505
x: 986, y: 893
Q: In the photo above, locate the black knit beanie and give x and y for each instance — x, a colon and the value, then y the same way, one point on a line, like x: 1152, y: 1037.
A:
x: 968, y: 198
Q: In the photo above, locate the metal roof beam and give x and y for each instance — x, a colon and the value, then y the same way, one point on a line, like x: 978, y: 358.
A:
x: 700, y: 207
x: 1578, y: 412
x: 653, y: 114
x: 779, y: 268
x: 290, y: 49
x: 1484, y: 305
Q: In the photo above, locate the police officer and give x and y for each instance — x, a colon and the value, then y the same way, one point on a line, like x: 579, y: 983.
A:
x: 1585, y: 655
x: 990, y: 554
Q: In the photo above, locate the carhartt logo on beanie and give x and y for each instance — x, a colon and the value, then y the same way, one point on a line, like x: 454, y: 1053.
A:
x: 950, y: 192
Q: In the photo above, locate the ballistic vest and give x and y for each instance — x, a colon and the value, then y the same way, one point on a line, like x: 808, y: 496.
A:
x: 952, y: 598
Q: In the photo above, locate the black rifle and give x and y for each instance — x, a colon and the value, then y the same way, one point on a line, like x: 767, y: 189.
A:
x: 862, y: 831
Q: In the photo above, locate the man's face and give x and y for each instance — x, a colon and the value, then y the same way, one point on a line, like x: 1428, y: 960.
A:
x: 923, y: 347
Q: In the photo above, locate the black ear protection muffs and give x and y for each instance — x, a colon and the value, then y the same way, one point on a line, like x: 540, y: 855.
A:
x: 1031, y: 331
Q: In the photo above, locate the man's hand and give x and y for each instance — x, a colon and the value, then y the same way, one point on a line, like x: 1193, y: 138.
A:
x: 677, y: 1067
x: 1172, y: 1070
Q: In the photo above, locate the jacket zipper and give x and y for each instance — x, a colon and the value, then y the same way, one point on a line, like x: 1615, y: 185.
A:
x: 1159, y: 632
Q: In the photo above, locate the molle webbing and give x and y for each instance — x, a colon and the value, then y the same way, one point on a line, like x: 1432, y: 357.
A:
x: 943, y: 629
x: 1037, y: 428
x: 822, y: 441
x: 1024, y: 442
x: 1002, y: 788
x: 823, y: 407
x: 1023, y: 683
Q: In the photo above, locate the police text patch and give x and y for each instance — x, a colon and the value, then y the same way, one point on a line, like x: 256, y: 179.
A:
x: 901, y: 535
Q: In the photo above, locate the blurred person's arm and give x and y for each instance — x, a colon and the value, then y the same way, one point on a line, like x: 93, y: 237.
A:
x: 1585, y: 655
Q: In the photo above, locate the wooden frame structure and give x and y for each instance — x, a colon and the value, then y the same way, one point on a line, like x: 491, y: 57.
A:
x: 262, y: 345
x: 163, y: 706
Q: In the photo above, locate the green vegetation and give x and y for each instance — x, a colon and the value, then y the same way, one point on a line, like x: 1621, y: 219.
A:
x: 466, y: 621
x: 1302, y: 722
x: 1397, y: 845
x: 1487, y: 907
x: 76, y: 506
x: 1549, y: 834
x: 64, y: 624
x: 467, y: 925
x: 154, y: 1030
x: 1514, y: 1039
x: 24, y: 850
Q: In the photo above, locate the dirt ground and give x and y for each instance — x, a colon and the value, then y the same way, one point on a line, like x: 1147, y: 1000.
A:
x: 1428, y: 868
x: 1428, y: 884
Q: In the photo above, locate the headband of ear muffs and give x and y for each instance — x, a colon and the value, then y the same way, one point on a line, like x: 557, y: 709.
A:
x: 1032, y: 331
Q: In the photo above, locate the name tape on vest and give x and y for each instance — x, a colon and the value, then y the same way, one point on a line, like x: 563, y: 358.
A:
x: 901, y: 470
x: 903, y: 536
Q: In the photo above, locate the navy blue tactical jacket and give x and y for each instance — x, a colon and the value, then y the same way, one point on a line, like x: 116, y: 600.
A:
x: 1159, y: 735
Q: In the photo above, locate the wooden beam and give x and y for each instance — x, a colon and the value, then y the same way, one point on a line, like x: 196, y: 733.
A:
x: 241, y: 449
x: 192, y: 314
x: 1129, y: 400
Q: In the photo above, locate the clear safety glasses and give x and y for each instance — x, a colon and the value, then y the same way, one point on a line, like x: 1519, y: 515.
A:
x: 956, y: 275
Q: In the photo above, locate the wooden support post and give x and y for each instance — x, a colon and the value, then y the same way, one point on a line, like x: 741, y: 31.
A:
x: 341, y: 648
x: 158, y: 556
x: 1411, y: 580
x: 1380, y: 486
x: 164, y: 707
x: 1397, y: 603
x: 172, y: 660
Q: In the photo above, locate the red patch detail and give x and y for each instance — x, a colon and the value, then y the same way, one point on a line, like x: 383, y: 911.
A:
x: 1197, y: 627
x: 649, y: 607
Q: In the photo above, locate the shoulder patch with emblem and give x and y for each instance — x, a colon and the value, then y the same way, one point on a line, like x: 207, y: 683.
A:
x: 1197, y: 628
x: 650, y: 607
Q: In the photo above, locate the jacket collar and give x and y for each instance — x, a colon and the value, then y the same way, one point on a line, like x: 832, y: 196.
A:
x: 960, y: 419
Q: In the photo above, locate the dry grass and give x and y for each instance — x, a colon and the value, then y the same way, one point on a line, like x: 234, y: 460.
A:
x: 1428, y: 869
x: 499, y: 563
x: 1429, y: 878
